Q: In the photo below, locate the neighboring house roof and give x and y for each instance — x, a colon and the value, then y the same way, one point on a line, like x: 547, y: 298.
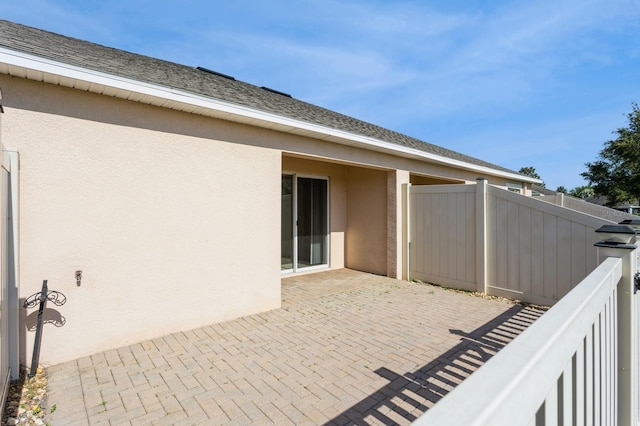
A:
x: 602, y: 201
x: 542, y: 190
x: 59, y: 51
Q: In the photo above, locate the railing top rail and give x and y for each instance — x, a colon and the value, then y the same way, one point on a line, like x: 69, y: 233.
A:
x: 520, y: 372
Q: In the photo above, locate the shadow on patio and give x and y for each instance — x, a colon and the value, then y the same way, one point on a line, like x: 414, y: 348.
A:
x: 410, y: 394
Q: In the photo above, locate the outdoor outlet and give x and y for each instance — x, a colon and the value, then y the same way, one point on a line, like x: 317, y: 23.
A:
x: 78, y: 277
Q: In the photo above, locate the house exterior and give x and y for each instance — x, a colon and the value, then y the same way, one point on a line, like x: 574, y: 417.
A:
x: 629, y: 208
x: 160, y: 197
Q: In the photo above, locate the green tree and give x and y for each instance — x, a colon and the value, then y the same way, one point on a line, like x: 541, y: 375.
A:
x: 562, y: 189
x: 531, y: 172
x: 616, y: 173
x: 582, y: 192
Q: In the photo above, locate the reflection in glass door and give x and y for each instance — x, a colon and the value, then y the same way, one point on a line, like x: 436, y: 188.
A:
x: 312, y: 222
x: 304, y: 223
x: 286, y: 228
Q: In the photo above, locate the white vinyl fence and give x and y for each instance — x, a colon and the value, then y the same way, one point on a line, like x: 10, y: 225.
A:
x: 583, y: 206
x: 442, y: 241
x: 577, y: 364
x: 5, y: 371
x: 482, y: 238
x: 9, y: 362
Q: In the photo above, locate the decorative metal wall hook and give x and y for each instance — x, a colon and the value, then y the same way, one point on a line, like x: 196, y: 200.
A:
x: 41, y: 298
x: 53, y: 296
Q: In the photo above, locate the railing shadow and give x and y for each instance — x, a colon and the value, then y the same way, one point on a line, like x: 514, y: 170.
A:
x: 408, y: 395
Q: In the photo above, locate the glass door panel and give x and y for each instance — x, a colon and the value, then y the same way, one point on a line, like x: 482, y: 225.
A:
x: 286, y: 228
x: 312, y: 222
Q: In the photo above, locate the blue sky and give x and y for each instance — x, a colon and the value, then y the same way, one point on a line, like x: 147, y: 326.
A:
x: 519, y: 83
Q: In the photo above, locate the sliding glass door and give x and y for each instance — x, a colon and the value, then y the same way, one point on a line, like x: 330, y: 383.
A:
x: 305, y: 221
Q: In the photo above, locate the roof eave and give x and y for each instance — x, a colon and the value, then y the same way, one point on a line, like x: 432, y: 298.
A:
x: 24, y: 65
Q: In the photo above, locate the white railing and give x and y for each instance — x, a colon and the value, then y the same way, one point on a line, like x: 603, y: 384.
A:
x: 577, y: 364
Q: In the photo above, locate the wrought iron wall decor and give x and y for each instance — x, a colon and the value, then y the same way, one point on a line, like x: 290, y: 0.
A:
x: 41, y: 298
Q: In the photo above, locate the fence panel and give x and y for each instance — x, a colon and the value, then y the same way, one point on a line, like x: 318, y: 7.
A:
x: 536, y: 252
x: 443, y: 234
x: 4, y: 290
x: 528, y: 250
x: 580, y: 205
x: 9, y: 261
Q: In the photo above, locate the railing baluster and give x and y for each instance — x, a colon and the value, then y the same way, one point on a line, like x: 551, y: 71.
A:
x: 551, y: 406
x: 579, y: 388
x: 567, y: 394
x: 597, y: 371
x: 604, y: 368
x: 588, y: 378
x: 614, y: 351
x: 610, y: 350
x: 606, y: 363
x: 635, y: 326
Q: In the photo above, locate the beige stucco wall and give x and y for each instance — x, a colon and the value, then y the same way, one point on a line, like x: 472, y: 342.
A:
x: 171, y: 230
x: 366, y: 244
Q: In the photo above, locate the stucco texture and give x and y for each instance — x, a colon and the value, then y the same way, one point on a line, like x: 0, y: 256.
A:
x: 170, y: 230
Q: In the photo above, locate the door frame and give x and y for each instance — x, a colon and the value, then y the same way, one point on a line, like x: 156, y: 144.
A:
x: 294, y: 233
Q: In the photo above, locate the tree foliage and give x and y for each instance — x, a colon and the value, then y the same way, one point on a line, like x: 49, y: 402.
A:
x: 582, y: 192
x: 616, y: 173
x: 531, y: 172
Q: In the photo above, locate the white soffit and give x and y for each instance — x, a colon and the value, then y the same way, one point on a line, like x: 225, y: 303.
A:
x: 32, y: 67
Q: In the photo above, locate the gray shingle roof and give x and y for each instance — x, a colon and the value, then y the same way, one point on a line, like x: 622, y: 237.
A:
x: 146, y: 69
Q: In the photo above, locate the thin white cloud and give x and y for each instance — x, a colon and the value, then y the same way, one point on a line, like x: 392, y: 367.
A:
x: 436, y: 70
x: 402, y: 21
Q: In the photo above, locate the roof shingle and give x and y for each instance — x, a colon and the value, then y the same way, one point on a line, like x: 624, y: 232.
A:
x: 155, y: 71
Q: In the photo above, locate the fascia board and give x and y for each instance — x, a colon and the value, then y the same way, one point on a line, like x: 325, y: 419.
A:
x: 96, y: 79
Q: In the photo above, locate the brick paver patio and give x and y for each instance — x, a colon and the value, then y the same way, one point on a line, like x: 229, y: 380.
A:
x: 345, y: 348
